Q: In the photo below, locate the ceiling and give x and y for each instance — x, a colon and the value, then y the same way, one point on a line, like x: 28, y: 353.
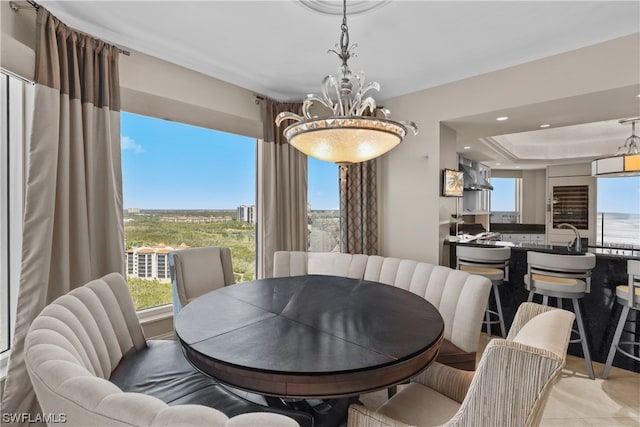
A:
x: 279, y: 48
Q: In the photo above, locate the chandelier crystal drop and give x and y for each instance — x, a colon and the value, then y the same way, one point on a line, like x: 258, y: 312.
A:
x: 356, y: 129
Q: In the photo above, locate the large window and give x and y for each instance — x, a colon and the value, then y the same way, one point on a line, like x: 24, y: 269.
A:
x: 618, y: 220
x: 13, y: 101
x: 184, y: 186
x: 505, y: 200
x: 323, y: 199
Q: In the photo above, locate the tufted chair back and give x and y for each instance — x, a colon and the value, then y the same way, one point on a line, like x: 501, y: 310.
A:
x: 196, y: 271
x: 461, y: 298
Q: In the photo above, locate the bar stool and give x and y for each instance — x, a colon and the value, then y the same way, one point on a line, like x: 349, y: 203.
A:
x: 629, y: 297
x: 553, y: 275
x: 492, y: 263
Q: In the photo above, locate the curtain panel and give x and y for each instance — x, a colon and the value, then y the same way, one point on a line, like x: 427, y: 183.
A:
x: 282, y: 191
x: 73, y: 216
x: 359, y: 208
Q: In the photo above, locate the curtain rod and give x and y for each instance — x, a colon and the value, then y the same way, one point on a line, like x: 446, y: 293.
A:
x: 32, y: 5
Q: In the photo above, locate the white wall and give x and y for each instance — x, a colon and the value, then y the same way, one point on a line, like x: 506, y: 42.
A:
x: 409, y: 218
x: 447, y: 205
x: 17, y: 40
x: 534, y: 192
x: 157, y: 88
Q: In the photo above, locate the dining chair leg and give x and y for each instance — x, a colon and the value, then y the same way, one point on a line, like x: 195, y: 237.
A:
x: 616, y: 340
x: 391, y: 391
x: 545, y: 300
x: 583, y: 338
x: 530, y: 298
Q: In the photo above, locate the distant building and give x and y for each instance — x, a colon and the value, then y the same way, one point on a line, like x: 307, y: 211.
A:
x: 133, y: 210
x: 247, y: 214
x: 150, y: 262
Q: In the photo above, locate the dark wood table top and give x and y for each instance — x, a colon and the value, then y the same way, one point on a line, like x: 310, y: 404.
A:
x: 310, y: 336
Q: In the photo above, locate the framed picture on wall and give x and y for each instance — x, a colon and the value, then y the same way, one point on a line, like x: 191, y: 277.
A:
x: 452, y: 183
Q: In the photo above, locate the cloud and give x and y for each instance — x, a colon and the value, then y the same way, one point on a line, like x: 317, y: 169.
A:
x: 127, y: 143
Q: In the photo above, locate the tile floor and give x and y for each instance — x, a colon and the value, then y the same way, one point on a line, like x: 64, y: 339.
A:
x: 575, y: 400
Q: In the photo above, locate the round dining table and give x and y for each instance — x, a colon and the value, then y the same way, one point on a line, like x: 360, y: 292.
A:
x: 310, y: 336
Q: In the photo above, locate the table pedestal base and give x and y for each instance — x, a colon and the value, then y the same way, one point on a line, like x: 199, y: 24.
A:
x: 324, y: 412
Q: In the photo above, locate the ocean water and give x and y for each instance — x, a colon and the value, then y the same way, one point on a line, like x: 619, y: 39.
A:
x: 619, y: 229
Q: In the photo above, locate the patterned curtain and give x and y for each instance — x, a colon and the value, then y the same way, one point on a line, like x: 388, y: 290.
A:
x: 73, y: 228
x: 359, y: 208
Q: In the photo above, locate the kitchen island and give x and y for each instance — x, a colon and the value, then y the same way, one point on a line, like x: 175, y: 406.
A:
x: 599, y: 308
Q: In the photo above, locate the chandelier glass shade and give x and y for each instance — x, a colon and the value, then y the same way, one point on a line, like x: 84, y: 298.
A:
x: 626, y: 162
x: 355, y: 130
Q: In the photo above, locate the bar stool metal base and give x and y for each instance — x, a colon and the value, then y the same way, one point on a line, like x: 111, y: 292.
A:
x: 497, y: 313
x: 616, y: 344
x: 581, y: 331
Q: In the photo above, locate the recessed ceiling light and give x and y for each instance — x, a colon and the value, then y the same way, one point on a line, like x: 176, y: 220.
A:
x: 502, y: 119
x: 498, y: 163
x: 638, y: 95
x: 546, y: 125
x: 467, y: 148
x: 517, y: 167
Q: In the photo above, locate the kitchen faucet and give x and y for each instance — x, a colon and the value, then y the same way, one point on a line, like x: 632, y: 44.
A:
x: 576, y: 242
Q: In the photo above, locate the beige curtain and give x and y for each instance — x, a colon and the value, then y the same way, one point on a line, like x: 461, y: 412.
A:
x: 359, y: 208
x: 73, y: 218
x: 282, y: 191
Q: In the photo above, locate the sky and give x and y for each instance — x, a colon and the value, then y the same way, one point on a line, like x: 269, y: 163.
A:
x: 620, y: 195
x: 169, y: 165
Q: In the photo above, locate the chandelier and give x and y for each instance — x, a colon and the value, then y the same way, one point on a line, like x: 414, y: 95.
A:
x: 356, y: 130
x: 626, y: 162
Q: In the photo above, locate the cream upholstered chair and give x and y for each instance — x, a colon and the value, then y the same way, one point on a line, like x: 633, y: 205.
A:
x: 562, y: 277
x: 77, y: 342
x: 492, y: 263
x: 629, y: 297
x: 196, y: 271
x: 509, y: 388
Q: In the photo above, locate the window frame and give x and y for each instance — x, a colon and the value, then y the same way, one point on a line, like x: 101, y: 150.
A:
x: 151, y: 264
x: 517, y: 197
x: 16, y: 95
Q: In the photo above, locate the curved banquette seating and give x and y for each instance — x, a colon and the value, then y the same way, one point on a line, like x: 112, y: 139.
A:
x: 460, y: 297
x: 87, y: 346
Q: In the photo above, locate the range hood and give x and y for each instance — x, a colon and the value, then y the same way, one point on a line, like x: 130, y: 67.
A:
x: 476, y: 175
